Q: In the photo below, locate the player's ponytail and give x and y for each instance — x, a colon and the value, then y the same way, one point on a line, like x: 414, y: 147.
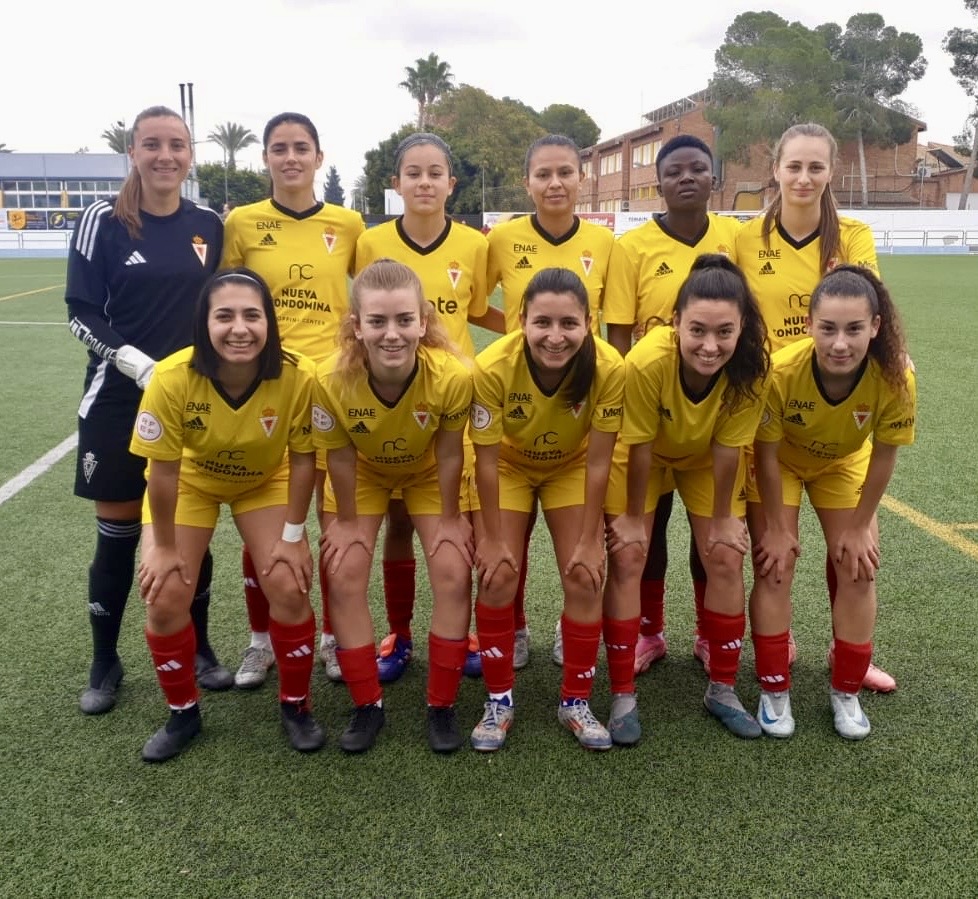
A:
x: 584, y: 364
x: 127, y: 203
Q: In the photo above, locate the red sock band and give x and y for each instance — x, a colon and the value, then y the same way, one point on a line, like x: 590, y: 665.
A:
x: 254, y: 597
x: 771, y: 661
x: 295, y: 651
x: 519, y: 601
x: 399, y: 595
x: 359, y: 669
x: 445, y: 661
x: 173, y: 657
x: 725, y: 634
x: 581, y: 642
x: 652, y: 596
x: 699, y: 600
x: 620, y: 637
x: 850, y: 665
x: 496, y: 634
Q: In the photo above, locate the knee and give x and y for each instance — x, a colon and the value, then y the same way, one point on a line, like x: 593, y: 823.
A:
x: 628, y: 564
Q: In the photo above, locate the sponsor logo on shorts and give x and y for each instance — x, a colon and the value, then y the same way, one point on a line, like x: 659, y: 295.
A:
x: 148, y: 427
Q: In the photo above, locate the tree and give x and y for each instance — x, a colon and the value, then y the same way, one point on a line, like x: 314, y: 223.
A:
x: 117, y: 136
x: 430, y: 79
x: 5, y: 149
x: 232, y: 138
x: 378, y: 168
x: 243, y: 185
x: 333, y: 192
x: 877, y: 63
x: 572, y: 121
x: 769, y: 75
x: 81, y: 151
x: 962, y: 44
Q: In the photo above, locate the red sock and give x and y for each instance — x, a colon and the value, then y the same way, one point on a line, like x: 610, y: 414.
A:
x: 324, y: 590
x: 580, y: 657
x: 445, y: 661
x: 254, y: 597
x: 771, y: 661
x: 496, y: 635
x: 519, y: 601
x: 725, y: 634
x: 173, y: 657
x: 620, y: 637
x: 652, y: 596
x: 359, y: 669
x: 399, y: 595
x: 699, y: 599
x: 850, y: 665
x: 295, y: 651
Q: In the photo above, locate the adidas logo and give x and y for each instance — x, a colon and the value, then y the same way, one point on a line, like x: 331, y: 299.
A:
x: 172, y: 665
x: 665, y: 413
x: 517, y: 414
x: 618, y: 646
x: 359, y: 428
x: 796, y: 419
x: 195, y: 424
x: 663, y: 269
x: 268, y: 241
x: 299, y: 653
x: 135, y: 258
x: 96, y: 608
x: 586, y: 675
x: 772, y: 678
x: 732, y: 645
x: 523, y: 264
x: 766, y: 269
x: 493, y: 652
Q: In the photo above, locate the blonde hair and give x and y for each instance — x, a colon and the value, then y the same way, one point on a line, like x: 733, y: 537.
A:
x: 828, y: 221
x: 386, y: 275
x: 127, y: 204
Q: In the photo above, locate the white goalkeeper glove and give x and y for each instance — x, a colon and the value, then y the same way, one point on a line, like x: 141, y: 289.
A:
x: 134, y: 364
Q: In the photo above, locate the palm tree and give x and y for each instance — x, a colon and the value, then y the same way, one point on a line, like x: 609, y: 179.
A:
x: 117, y: 137
x: 426, y: 82
x: 232, y: 137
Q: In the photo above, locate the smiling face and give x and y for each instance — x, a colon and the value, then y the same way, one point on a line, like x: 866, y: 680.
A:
x: 554, y: 179
x: 842, y: 328
x: 236, y: 324
x: 686, y: 179
x: 555, y: 326
x: 390, y: 326
x: 708, y: 332
x: 425, y: 180
x: 161, y: 153
x: 292, y: 159
x: 804, y: 170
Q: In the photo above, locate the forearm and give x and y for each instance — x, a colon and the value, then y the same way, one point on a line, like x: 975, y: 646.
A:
x: 639, y: 467
x: 93, y: 331
x: 492, y: 320
x: 600, y: 447
x: 342, y: 467
x: 161, y: 492
x: 302, y: 482
x: 487, y: 483
x: 726, y: 460
x: 878, y: 474
x: 449, y: 458
x: 767, y: 473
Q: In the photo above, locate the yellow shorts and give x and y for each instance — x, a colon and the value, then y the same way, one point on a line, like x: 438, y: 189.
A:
x: 420, y: 493
x: 200, y: 510
x: 836, y: 485
x: 556, y: 487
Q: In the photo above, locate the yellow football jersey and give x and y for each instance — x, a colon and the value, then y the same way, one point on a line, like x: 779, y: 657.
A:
x: 452, y: 271
x: 519, y: 248
x: 783, y: 276
x: 660, y: 410
x: 226, y: 447
x: 813, y: 429
x: 305, y: 260
x: 650, y: 263
x: 536, y: 428
x: 395, y: 437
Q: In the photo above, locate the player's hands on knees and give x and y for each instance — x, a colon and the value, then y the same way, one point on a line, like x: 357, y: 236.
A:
x: 455, y: 530
x: 337, y: 540
x: 626, y: 529
x: 859, y: 550
x: 590, y: 555
x: 490, y: 556
x: 729, y: 531
x: 774, y: 551
x: 155, y: 566
x: 297, y: 556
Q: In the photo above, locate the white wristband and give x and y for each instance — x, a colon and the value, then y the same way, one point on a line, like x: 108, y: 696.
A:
x: 292, y: 533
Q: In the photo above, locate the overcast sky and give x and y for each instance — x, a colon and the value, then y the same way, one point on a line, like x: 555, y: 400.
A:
x: 74, y: 68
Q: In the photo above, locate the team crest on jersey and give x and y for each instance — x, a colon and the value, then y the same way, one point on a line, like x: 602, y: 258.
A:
x: 329, y: 239
x: 200, y: 248
x: 587, y: 260
x: 576, y: 408
x: 89, y: 464
x: 454, y: 273
x: 268, y: 419
x: 861, y: 414
x: 421, y: 415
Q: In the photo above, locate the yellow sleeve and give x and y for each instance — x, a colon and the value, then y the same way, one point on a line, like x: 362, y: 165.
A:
x: 621, y: 287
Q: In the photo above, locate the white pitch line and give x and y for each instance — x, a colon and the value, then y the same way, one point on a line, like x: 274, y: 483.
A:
x: 58, y: 324
x: 36, y: 469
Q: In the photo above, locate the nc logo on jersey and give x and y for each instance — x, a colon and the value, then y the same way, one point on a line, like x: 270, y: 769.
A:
x: 329, y: 239
x: 200, y: 248
x: 321, y: 419
x: 421, y: 415
x: 587, y: 261
x: 268, y: 419
x: 861, y: 415
x: 480, y: 417
x: 454, y: 273
x: 148, y: 427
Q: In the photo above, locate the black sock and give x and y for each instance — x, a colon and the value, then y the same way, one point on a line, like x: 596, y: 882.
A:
x: 182, y: 718
x: 200, y: 607
x: 109, y: 582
